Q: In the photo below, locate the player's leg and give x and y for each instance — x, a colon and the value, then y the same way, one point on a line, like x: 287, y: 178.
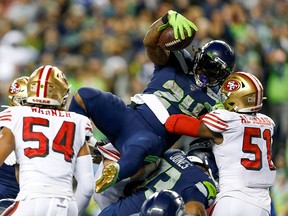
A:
x: 227, y: 206
x: 42, y: 206
x: 138, y: 147
x: 112, y: 194
x: 107, y: 111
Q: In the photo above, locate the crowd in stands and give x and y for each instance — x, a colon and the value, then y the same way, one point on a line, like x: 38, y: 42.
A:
x: 98, y: 43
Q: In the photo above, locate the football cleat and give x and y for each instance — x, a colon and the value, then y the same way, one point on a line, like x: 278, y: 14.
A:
x: 108, y: 178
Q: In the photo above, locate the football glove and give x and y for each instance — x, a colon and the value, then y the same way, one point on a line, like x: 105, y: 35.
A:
x: 217, y: 106
x: 179, y: 23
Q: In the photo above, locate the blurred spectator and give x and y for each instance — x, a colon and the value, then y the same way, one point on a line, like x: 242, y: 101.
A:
x: 279, y: 191
x: 277, y: 93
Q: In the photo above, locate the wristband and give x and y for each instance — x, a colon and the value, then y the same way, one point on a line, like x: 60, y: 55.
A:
x: 183, y: 125
x: 165, y: 19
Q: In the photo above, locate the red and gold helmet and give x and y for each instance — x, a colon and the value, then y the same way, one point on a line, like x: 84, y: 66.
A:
x: 48, y: 86
x: 242, y: 92
x: 17, y: 92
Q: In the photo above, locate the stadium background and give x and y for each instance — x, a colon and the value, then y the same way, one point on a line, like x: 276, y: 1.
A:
x: 98, y: 43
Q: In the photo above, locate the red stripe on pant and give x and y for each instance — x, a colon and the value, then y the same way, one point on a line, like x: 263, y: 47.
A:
x: 11, y: 209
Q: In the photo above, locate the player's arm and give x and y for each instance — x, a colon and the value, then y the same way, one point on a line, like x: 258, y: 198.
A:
x: 77, y: 105
x: 178, y: 22
x: 85, y: 178
x: 191, y: 126
x: 195, y: 208
x: 7, y: 144
x: 155, y: 53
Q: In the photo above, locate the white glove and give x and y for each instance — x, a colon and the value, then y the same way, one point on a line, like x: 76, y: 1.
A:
x: 11, y: 159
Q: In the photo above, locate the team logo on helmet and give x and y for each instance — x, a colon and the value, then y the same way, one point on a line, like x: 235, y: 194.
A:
x: 15, y: 88
x: 232, y: 85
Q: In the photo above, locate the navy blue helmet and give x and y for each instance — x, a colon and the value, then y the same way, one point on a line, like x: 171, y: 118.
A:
x: 163, y: 203
x: 216, y: 59
x: 200, y: 152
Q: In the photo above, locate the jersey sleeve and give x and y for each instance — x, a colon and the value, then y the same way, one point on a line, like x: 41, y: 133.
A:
x: 216, y: 121
x: 6, y: 118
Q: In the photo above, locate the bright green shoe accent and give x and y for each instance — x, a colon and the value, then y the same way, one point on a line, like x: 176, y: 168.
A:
x: 151, y: 158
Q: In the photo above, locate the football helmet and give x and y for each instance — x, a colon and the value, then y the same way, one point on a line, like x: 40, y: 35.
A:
x: 216, y: 61
x: 17, y: 92
x: 48, y: 86
x: 163, y: 203
x: 200, y: 153
x: 242, y: 92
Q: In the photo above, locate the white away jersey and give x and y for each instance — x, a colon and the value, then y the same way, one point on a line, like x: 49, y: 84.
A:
x: 47, y: 143
x: 244, y: 158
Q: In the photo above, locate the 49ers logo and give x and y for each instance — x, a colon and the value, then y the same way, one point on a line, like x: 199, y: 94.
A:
x: 231, y: 85
x: 14, y: 88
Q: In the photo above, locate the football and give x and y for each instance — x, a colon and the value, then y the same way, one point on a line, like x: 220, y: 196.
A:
x: 168, y: 41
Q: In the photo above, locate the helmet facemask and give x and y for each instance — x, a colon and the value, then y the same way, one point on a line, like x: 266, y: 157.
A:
x: 214, y: 70
x: 213, y: 63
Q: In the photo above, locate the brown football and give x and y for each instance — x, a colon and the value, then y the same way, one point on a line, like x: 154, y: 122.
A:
x: 168, y: 41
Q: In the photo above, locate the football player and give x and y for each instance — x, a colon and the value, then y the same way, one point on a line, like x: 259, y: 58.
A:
x: 50, y: 147
x: 163, y: 203
x: 180, y: 84
x: 9, y: 186
x: 243, y: 143
x: 193, y: 175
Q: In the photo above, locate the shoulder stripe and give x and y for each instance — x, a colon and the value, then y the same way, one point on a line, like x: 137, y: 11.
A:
x: 215, y: 122
x: 5, y: 117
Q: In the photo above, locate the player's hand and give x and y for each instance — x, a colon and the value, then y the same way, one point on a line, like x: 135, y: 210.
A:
x: 218, y: 106
x: 179, y: 24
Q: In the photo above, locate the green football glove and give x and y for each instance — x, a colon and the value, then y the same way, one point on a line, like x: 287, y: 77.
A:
x: 217, y: 106
x: 178, y: 23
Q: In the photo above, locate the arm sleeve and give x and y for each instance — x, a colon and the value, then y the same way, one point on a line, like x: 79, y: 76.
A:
x: 84, y: 176
x: 183, y: 124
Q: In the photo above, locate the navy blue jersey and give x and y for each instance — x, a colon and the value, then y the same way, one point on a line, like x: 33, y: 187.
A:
x: 175, y: 84
x: 177, y: 173
x: 136, y: 132
x: 9, y: 187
